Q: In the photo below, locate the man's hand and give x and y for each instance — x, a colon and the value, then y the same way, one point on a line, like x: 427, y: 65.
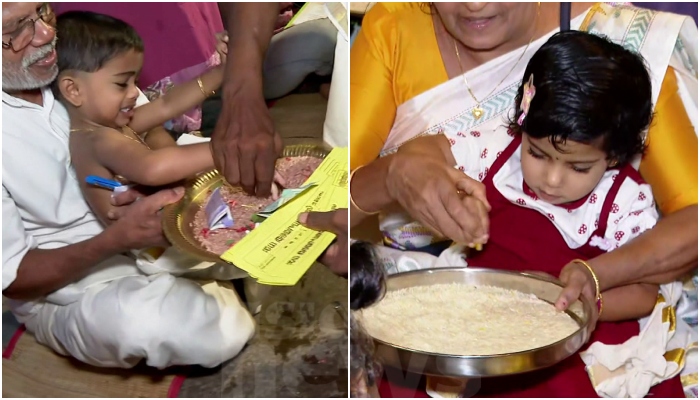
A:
x: 138, y: 219
x: 336, y: 256
x: 245, y: 144
x: 577, y: 281
x: 442, y: 198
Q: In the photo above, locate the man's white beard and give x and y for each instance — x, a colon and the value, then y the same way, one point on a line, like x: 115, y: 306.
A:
x: 19, y: 77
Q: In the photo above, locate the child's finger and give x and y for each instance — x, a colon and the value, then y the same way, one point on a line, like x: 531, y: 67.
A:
x: 275, y: 191
x: 279, y: 179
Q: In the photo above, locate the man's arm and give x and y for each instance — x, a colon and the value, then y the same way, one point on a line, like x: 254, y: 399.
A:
x: 44, y: 271
x: 244, y: 142
x: 29, y: 273
x: 250, y: 27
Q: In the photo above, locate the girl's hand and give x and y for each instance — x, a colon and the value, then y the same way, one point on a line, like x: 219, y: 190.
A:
x: 222, y: 45
x: 578, y: 281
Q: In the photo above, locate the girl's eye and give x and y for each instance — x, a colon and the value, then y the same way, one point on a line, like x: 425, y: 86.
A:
x: 532, y: 153
x: 122, y: 85
x: 581, y: 170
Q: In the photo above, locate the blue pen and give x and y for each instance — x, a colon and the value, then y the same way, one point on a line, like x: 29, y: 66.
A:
x: 102, y: 182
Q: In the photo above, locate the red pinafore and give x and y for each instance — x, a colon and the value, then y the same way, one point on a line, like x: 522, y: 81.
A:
x: 522, y: 239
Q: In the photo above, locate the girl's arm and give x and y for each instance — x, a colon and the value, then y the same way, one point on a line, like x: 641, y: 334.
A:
x: 138, y: 164
x: 176, y: 101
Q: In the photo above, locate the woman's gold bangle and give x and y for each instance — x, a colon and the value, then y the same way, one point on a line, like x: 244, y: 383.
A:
x: 201, y: 88
x: 598, y: 295
x: 352, y: 202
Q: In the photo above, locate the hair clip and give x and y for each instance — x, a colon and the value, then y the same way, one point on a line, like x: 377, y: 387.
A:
x: 528, y: 95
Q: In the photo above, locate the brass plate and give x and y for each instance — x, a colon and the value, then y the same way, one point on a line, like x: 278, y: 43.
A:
x: 177, y: 217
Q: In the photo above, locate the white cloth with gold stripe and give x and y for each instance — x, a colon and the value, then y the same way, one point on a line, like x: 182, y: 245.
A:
x: 658, y: 353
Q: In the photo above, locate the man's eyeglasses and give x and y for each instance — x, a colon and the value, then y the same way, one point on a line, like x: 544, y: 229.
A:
x: 24, y: 34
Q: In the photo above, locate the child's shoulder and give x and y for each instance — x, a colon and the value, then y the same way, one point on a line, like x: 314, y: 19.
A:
x: 632, y: 183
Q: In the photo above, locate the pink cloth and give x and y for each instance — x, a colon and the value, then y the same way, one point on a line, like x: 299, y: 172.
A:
x: 176, y: 35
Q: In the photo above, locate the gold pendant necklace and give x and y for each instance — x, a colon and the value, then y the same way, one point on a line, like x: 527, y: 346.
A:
x: 478, y: 111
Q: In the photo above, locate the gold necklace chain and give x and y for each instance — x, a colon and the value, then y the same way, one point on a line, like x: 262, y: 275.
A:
x: 478, y: 111
x: 136, y: 137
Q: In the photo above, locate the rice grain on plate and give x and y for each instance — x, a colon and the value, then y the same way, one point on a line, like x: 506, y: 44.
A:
x: 461, y: 319
x: 294, y: 170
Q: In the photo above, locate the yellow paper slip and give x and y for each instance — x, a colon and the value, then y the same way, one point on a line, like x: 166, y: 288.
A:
x: 280, y: 250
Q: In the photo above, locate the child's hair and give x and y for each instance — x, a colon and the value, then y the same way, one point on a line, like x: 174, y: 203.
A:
x: 367, y: 286
x: 366, y: 277
x: 587, y: 87
x: 88, y: 40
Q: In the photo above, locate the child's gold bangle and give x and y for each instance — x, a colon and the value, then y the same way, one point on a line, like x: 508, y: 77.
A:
x: 201, y: 88
x: 598, y: 295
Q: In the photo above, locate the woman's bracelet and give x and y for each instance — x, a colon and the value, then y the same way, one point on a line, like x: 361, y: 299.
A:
x: 598, y: 295
x: 352, y: 202
x: 201, y: 87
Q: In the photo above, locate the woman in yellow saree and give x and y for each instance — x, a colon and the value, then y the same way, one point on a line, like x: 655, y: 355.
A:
x: 407, y: 80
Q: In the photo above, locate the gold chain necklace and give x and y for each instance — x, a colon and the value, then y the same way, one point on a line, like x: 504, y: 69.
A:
x: 136, y: 137
x: 478, y: 111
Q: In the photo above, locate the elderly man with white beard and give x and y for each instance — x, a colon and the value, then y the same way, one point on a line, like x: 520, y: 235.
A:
x: 66, y: 275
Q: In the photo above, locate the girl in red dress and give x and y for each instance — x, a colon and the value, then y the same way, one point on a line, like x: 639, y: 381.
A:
x: 563, y: 187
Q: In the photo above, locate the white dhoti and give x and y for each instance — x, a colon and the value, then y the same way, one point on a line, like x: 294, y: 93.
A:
x: 162, y: 319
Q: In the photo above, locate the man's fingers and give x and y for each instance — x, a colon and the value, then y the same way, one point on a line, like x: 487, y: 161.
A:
x: 158, y: 200
x: 321, y: 221
x: 217, y: 145
x: 264, y: 170
x: 246, y: 167
x: 124, y: 198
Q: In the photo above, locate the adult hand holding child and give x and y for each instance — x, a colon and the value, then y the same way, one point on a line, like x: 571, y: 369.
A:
x: 137, y: 218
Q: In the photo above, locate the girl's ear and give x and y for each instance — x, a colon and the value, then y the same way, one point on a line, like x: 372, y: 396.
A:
x: 612, y: 163
x: 70, y: 88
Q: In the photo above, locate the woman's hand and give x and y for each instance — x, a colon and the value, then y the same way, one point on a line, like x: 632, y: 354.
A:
x: 429, y: 190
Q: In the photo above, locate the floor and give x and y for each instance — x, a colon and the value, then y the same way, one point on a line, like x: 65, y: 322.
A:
x: 300, y: 349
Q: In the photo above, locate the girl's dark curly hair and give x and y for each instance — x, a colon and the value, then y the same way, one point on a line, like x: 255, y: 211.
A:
x: 367, y: 286
x: 587, y: 88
